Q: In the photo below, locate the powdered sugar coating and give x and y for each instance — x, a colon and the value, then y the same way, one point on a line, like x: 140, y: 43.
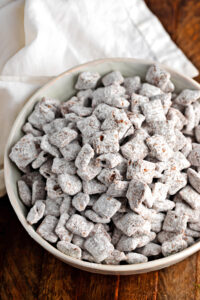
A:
x: 116, y: 168
x: 62, y: 232
x: 36, y: 212
x: 69, y: 249
x: 87, y: 80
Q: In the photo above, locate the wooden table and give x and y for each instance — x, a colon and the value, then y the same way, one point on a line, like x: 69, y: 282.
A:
x: 29, y: 272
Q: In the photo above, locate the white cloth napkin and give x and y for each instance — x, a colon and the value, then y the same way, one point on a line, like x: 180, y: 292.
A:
x: 42, y: 38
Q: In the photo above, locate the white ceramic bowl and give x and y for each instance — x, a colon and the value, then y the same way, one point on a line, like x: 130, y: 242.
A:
x: 63, y: 88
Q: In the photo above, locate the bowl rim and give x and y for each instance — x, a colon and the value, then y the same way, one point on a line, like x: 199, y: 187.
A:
x: 90, y: 266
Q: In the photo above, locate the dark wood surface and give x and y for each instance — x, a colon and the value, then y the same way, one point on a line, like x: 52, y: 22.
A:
x: 29, y: 272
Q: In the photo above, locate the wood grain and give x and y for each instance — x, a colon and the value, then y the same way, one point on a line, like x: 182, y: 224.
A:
x: 58, y: 281
x: 181, y: 19
x: 139, y: 287
x: 21, y: 258
x: 178, y: 281
x: 29, y: 272
x: 197, y: 284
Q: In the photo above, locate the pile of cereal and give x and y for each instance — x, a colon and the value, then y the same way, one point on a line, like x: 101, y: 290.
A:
x: 113, y: 174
